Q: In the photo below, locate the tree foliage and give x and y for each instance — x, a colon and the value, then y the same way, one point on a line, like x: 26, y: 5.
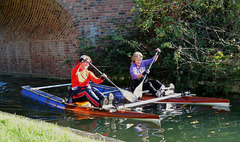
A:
x: 200, y: 39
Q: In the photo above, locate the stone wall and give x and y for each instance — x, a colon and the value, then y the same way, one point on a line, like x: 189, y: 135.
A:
x: 38, y: 36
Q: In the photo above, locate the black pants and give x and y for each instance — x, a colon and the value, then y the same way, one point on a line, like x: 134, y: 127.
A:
x: 91, y: 94
x: 152, y: 85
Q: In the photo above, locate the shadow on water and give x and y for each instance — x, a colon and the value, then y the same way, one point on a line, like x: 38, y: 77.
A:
x: 178, y: 123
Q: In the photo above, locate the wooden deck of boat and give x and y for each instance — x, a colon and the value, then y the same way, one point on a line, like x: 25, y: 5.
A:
x: 192, y: 100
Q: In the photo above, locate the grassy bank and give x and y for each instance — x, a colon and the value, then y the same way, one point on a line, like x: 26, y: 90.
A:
x: 17, y: 129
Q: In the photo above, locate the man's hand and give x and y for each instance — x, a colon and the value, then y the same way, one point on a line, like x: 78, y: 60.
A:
x: 158, y: 50
x: 103, y: 76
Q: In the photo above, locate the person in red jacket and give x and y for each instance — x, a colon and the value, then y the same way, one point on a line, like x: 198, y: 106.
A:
x: 81, y: 90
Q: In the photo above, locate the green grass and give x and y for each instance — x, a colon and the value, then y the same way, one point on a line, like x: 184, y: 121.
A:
x: 15, y: 128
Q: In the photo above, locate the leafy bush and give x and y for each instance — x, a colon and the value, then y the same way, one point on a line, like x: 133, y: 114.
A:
x: 200, y: 39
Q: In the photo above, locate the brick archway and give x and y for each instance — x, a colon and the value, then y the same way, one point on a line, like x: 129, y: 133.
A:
x: 31, y: 20
x: 38, y: 36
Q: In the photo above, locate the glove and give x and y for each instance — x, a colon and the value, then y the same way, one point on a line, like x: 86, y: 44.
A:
x: 146, y: 72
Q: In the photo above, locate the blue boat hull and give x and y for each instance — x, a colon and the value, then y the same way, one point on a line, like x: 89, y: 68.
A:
x: 57, y: 102
x: 43, y: 98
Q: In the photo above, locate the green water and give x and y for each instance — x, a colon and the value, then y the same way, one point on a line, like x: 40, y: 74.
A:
x: 183, y: 124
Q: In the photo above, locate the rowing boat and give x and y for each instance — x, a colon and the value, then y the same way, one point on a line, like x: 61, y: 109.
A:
x: 45, y: 98
x: 35, y: 94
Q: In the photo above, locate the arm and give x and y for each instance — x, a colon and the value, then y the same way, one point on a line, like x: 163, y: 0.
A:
x: 95, y: 79
x: 147, y: 62
x: 155, y: 59
x: 159, y: 51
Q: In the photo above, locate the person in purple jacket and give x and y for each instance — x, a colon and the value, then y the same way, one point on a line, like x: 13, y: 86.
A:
x: 138, y: 70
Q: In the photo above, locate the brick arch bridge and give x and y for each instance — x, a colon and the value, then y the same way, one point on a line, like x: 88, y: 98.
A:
x: 37, y: 36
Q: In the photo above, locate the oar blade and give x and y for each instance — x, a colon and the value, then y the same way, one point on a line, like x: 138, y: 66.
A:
x: 138, y: 91
x: 128, y: 95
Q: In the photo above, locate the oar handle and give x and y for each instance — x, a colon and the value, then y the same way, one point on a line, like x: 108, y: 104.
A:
x: 153, y: 60
x: 101, y: 73
x: 151, y: 64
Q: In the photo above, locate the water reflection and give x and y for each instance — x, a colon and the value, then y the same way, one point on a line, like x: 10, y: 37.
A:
x: 178, y: 115
x: 202, y: 124
x: 120, y: 128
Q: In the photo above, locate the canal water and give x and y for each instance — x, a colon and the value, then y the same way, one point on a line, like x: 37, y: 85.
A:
x: 178, y: 123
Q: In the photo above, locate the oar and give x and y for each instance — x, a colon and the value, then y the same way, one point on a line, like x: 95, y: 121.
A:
x: 140, y: 103
x: 138, y: 89
x: 128, y: 95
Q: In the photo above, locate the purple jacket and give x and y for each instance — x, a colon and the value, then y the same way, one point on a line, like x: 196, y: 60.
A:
x: 134, y: 70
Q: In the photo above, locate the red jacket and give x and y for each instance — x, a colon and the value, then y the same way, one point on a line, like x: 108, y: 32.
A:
x: 82, y: 77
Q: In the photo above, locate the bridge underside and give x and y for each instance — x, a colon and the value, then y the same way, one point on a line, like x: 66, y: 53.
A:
x: 35, y: 36
x: 34, y: 20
